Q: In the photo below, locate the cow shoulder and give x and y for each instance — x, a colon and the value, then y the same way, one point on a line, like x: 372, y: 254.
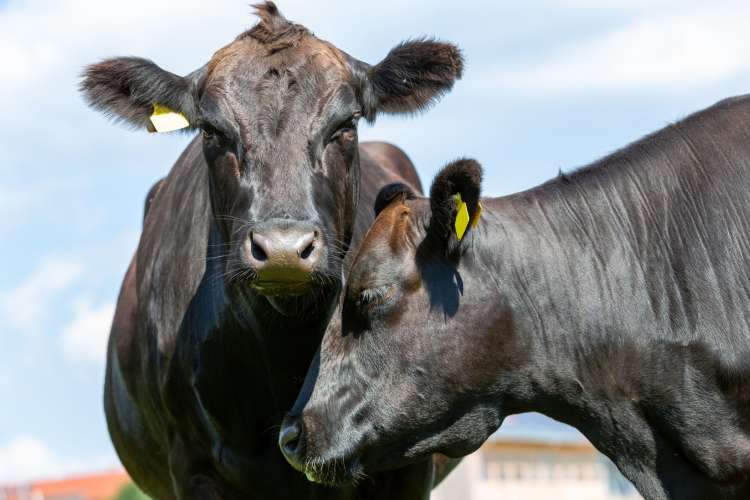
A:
x: 172, y: 251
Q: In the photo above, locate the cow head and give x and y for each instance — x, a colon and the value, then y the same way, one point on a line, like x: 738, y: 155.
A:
x: 278, y: 110
x: 406, y: 372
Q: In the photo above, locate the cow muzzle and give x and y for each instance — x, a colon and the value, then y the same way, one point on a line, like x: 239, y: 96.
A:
x: 294, y: 446
x: 284, y: 257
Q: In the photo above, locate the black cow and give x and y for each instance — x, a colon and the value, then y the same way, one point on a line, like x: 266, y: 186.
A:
x: 615, y: 299
x: 239, y: 266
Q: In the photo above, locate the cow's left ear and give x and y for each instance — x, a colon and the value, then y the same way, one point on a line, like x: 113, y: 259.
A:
x: 412, y: 76
x: 387, y: 194
x: 454, y: 201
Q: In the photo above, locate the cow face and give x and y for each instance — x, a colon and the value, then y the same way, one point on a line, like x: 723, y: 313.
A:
x: 278, y: 111
x: 406, y: 372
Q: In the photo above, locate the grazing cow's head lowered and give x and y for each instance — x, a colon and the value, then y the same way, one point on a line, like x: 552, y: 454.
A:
x: 278, y: 110
x: 391, y: 382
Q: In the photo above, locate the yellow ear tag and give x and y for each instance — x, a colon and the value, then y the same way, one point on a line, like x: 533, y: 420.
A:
x: 165, y: 120
x: 462, y: 217
x: 475, y: 219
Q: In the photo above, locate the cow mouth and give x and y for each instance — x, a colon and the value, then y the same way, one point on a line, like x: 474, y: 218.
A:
x: 282, y: 281
x: 285, y: 288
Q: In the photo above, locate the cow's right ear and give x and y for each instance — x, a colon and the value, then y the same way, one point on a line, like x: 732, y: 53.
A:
x: 391, y: 192
x: 410, y: 78
x: 129, y: 88
x: 454, y: 202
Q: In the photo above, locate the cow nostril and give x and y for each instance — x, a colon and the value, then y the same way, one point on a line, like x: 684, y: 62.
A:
x: 307, y: 251
x: 307, y: 245
x: 291, y: 441
x: 258, y: 253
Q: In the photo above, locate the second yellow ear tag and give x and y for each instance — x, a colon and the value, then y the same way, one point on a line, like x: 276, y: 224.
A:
x: 462, y: 217
x: 165, y: 120
x: 475, y: 219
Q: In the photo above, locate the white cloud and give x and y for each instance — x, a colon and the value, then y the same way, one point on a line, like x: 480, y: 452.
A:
x: 26, y: 306
x: 83, y: 339
x: 26, y: 457
x: 659, y: 50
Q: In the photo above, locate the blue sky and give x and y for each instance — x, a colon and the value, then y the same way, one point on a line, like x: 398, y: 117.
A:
x: 548, y: 85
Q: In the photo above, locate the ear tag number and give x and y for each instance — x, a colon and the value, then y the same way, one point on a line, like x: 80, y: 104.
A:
x: 165, y: 120
x: 462, y: 217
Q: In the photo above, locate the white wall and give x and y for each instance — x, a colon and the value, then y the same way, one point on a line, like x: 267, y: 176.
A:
x: 494, y: 475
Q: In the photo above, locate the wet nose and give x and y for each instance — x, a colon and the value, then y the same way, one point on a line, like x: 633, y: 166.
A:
x: 284, y: 254
x: 292, y: 441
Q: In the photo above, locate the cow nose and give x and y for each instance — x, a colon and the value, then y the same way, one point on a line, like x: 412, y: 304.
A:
x: 285, y: 254
x: 292, y: 441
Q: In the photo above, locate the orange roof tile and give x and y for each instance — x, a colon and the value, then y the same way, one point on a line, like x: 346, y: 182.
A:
x: 91, y: 487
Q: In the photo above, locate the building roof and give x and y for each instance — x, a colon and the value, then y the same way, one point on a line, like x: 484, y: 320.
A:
x: 536, y: 448
x: 102, y: 486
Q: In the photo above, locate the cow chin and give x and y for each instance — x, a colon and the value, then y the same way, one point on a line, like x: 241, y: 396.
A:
x: 333, y: 472
x: 333, y: 467
x: 353, y: 464
x: 345, y: 457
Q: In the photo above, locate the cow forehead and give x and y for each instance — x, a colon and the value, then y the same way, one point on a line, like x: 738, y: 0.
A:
x: 247, y: 60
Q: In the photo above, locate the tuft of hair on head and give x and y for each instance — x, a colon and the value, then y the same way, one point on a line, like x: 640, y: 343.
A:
x: 464, y: 177
x: 391, y: 192
x: 270, y: 16
x: 272, y: 26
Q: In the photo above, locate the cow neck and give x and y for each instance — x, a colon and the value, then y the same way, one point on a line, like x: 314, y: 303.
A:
x: 244, y: 363
x: 557, y: 274
x: 252, y: 349
x: 593, y: 269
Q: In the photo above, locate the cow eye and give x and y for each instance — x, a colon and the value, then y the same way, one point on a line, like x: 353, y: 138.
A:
x: 348, y: 127
x: 212, y: 134
x: 376, y: 297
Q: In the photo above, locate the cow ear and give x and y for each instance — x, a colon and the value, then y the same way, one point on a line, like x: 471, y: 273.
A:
x: 392, y: 192
x: 454, y: 202
x: 131, y: 89
x: 412, y: 76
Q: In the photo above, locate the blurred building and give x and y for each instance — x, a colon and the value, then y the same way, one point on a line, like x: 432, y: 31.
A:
x: 93, y: 487
x: 528, y: 470
x: 534, y: 458
x: 530, y: 458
